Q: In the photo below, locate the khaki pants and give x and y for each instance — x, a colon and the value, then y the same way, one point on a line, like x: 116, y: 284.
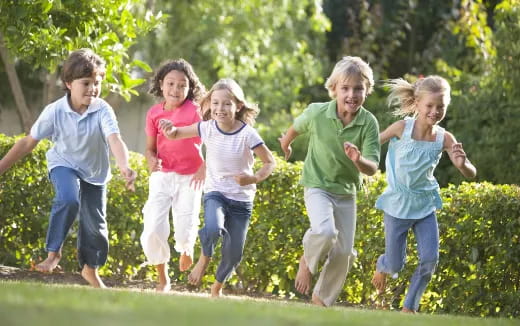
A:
x: 330, y: 237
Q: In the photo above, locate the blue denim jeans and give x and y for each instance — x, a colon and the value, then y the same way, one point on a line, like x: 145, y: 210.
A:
x: 74, y: 196
x: 229, y: 219
x: 426, y: 233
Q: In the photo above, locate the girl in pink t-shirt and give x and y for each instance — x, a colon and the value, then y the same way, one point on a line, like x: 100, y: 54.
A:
x: 176, y: 167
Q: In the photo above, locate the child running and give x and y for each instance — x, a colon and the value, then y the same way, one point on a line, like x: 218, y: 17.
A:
x: 83, y: 128
x: 412, y: 195
x: 343, y: 143
x: 230, y: 186
x: 176, y: 170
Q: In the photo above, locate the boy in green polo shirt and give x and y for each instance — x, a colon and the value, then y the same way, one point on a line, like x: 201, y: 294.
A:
x: 343, y: 142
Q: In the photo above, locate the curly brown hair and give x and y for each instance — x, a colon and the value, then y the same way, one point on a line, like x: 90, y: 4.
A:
x: 197, y: 89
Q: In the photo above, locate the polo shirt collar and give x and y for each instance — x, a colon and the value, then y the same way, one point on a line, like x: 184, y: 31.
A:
x: 360, y: 119
x: 93, y: 107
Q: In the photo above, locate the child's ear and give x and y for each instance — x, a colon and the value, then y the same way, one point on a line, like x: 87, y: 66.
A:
x: 69, y: 85
x: 240, y: 105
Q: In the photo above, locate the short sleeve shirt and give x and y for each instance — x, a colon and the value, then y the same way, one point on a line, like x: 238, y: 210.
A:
x: 228, y: 155
x: 326, y: 164
x: 182, y: 156
x: 80, y: 141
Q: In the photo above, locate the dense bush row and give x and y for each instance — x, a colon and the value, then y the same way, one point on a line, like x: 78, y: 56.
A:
x: 478, y: 272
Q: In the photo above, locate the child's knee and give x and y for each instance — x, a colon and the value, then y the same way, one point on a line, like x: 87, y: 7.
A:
x: 428, y: 267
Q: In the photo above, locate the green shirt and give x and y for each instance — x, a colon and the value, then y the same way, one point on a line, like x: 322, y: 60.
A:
x: 326, y: 165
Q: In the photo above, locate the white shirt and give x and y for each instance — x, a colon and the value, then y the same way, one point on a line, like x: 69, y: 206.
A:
x: 228, y: 155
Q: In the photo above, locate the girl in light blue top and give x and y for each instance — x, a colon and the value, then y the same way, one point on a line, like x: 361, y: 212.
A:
x: 412, y: 195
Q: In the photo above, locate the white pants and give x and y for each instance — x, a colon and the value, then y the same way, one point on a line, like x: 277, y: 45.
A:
x: 170, y: 190
x: 330, y: 237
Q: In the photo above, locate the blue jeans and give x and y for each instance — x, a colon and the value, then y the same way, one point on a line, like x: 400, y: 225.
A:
x: 426, y: 233
x: 228, y: 219
x: 74, y: 196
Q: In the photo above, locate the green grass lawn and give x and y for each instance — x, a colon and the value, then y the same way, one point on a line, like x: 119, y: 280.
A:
x: 47, y: 304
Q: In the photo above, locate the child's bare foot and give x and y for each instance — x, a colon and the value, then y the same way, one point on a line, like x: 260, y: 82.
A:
x: 185, y: 262
x: 92, y: 277
x: 164, y: 280
x: 379, y: 282
x: 199, y: 270
x: 317, y: 301
x: 407, y: 311
x: 303, y: 278
x: 50, y: 263
x: 216, y: 289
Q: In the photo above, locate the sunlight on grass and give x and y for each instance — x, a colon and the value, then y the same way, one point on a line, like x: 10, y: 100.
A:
x: 41, y: 304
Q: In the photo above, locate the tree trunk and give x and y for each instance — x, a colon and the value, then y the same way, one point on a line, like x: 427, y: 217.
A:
x: 26, y: 117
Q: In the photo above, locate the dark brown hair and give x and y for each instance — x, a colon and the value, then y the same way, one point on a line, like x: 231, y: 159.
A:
x: 196, y: 90
x: 80, y: 64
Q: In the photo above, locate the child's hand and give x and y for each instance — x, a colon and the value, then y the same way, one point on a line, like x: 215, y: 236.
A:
x: 351, y: 151
x: 286, y: 148
x: 129, y: 176
x: 198, y: 178
x: 245, y: 179
x: 458, y: 155
x: 154, y: 164
x: 167, y: 128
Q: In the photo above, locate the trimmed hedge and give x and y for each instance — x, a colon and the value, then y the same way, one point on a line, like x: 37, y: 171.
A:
x: 478, y: 272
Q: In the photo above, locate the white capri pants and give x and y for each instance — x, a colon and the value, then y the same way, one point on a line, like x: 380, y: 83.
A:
x: 170, y: 190
x: 330, y: 237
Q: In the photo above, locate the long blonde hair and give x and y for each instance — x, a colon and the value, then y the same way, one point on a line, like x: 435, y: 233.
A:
x: 247, y: 113
x: 403, y: 95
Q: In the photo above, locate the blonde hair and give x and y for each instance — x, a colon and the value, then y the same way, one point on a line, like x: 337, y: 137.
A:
x: 247, y: 113
x: 403, y: 95
x: 349, y: 67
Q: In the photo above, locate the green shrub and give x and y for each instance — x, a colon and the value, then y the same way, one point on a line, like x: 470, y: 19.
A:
x: 478, y: 271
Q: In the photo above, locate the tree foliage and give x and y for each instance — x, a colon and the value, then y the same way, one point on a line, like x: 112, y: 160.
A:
x: 43, y: 32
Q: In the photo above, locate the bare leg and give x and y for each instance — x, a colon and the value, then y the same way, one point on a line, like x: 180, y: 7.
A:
x: 50, y: 263
x: 92, y: 277
x: 164, y: 280
x: 379, y: 282
x: 185, y: 262
x: 317, y: 301
x: 303, y: 277
x: 199, y: 270
x: 216, y: 289
x: 407, y: 311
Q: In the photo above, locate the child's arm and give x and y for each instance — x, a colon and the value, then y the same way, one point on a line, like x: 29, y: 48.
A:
x: 120, y: 151
x: 154, y: 164
x: 286, y: 140
x: 267, y: 167
x: 458, y: 156
x: 172, y: 132
x: 394, y: 130
x: 21, y: 148
x: 362, y: 164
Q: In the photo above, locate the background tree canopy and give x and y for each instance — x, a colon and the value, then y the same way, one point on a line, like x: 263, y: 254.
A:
x: 281, y: 52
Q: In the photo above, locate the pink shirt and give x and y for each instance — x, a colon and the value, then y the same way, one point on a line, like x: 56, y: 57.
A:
x: 182, y: 156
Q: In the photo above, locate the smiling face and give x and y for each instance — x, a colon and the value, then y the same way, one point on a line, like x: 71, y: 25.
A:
x: 350, y: 94
x: 175, y: 87
x: 84, y: 91
x: 224, y: 108
x: 431, y: 107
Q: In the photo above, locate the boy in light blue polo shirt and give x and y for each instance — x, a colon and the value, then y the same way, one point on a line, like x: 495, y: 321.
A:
x: 82, y: 127
x: 343, y: 142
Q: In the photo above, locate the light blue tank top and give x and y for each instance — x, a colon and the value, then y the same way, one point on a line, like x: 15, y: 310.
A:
x: 412, y: 191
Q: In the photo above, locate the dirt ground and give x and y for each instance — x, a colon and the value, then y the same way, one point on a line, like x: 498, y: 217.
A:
x: 8, y: 273
x: 72, y: 278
